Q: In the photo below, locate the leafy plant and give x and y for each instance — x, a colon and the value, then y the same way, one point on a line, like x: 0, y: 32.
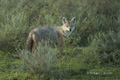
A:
x: 42, y: 60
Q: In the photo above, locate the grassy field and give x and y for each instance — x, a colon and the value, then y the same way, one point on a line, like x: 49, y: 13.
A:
x: 92, y: 52
x: 66, y: 69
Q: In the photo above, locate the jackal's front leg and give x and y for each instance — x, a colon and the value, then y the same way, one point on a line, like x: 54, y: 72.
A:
x: 60, y: 43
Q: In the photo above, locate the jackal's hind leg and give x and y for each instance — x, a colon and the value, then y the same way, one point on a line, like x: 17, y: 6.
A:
x: 35, y: 43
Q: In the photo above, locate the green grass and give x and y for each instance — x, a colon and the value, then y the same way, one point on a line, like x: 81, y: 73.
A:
x: 92, y: 50
x: 67, y: 68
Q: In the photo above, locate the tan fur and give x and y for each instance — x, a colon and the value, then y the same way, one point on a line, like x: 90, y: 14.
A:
x: 52, y: 34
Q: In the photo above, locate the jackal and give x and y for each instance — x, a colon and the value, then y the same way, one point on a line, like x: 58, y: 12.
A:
x: 53, y: 34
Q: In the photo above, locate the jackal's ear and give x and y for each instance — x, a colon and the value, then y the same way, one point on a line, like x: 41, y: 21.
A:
x: 64, y: 20
x: 73, y: 20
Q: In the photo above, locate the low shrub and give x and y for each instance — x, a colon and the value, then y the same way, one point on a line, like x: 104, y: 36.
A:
x: 103, y: 50
x: 42, y: 60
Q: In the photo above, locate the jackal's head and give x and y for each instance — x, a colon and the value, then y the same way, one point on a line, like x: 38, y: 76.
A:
x: 68, y: 26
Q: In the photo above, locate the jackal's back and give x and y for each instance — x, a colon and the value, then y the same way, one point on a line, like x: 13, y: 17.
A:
x: 47, y: 33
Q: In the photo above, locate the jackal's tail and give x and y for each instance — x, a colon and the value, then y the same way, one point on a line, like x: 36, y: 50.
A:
x: 29, y: 43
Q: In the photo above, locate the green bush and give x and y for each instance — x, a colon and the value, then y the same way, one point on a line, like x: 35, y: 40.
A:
x: 103, y: 49
x: 41, y: 61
